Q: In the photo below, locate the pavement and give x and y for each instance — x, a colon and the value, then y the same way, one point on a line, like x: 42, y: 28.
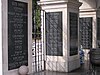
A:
x: 83, y: 70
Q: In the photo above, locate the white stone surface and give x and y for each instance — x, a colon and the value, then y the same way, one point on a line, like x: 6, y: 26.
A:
x: 14, y: 73
x: 86, y: 54
x: 23, y: 70
x: 1, y: 39
x: 56, y: 66
x: 74, y: 64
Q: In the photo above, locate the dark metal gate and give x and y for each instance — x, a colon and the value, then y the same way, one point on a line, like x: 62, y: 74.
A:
x: 37, y: 51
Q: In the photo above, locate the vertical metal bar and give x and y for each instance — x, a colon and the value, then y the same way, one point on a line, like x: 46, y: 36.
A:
x: 35, y: 41
x: 53, y: 43
x: 38, y: 52
x: 43, y: 43
x: 40, y: 42
x: 34, y: 34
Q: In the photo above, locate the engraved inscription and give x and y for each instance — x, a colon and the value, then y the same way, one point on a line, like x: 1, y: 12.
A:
x: 86, y: 32
x: 73, y: 33
x: 54, y: 42
x: 17, y: 34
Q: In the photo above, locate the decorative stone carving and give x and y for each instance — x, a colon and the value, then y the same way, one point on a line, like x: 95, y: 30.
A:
x: 23, y: 70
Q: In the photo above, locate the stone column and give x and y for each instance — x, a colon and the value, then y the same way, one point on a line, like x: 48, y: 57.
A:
x: 69, y: 12
x: 17, y: 35
x: 90, y: 9
x: 1, y: 63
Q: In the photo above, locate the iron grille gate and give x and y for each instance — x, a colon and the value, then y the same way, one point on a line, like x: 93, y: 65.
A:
x: 37, y: 51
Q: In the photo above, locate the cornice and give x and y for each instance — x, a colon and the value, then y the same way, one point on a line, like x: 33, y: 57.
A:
x: 88, y: 10
x: 51, y: 2
x: 67, y: 2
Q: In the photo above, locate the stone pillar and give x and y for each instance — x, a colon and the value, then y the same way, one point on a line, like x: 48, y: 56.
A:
x: 90, y: 9
x: 68, y: 59
x: 1, y: 63
x: 17, y: 35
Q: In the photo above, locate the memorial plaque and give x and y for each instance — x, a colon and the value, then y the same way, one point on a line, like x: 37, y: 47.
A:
x: 17, y: 34
x: 54, y: 34
x: 86, y: 32
x: 73, y: 33
x: 98, y: 28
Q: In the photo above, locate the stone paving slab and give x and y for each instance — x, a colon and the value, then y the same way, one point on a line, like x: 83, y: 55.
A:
x: 80, y: 71
x: 83, y: 70
x: 58, y: 73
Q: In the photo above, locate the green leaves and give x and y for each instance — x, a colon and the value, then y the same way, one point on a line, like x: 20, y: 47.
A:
x: 36, y: 19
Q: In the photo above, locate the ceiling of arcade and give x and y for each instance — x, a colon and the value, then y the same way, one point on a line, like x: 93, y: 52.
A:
x: 94, y: 4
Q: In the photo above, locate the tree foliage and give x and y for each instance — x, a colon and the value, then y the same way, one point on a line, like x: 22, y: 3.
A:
x: 36, y: 20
